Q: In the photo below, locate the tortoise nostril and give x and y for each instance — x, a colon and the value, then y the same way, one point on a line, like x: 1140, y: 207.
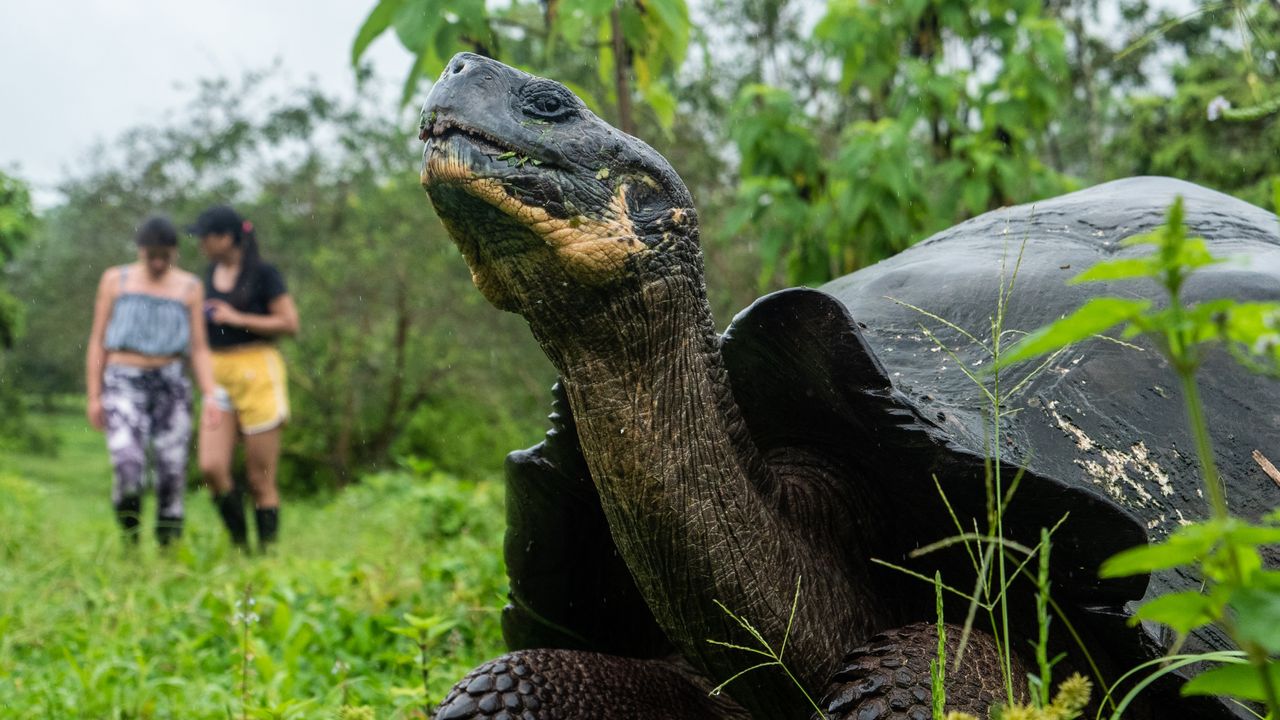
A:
x: 458, y: 67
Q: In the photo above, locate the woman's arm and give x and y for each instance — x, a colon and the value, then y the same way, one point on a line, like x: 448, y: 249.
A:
x: 202, y: 359
x: 282, y: 318
x: 96, y: 354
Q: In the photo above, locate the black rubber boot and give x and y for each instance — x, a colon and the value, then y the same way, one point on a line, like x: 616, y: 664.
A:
x: 268, y: 520
x: 129, y: 513
x: 168, y: 529
x: 231, y: 508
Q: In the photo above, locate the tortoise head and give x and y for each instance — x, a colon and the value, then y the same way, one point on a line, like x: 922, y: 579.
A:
x: 548, y: 203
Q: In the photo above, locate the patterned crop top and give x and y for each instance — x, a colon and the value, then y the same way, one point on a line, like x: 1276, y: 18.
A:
x: 148, y: 324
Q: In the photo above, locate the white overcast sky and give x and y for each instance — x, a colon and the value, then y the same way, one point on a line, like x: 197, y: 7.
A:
x: 75, y: 72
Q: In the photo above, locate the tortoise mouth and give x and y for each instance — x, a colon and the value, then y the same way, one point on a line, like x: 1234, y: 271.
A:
x: 457, y: 153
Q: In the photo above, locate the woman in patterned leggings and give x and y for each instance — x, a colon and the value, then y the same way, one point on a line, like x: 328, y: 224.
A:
x: 147, y: 316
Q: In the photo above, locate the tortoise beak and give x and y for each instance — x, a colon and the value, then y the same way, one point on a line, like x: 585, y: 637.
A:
x: 469, y: 85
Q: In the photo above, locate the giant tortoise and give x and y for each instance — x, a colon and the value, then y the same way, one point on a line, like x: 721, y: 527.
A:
x: 691, y: 474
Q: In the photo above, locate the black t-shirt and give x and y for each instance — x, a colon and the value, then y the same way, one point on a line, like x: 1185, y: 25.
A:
x: 253, y: 293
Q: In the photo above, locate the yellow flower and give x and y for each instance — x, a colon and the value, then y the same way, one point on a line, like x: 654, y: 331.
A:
x: 1073, y: 694
x: 1021, y: 712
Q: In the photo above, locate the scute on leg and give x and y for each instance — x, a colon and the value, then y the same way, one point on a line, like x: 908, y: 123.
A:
x: 575, y: 685
x: 889, y: 679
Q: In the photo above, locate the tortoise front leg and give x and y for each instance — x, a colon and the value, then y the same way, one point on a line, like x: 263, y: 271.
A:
x: 888, y: 678
x: 576, y: 685
x: 569, y: 587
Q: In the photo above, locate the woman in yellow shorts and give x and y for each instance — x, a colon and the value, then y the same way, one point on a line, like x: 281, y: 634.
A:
x: 247, y: 306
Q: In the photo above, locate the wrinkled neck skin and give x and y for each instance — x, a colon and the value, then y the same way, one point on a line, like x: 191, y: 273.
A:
x: 691, y: 504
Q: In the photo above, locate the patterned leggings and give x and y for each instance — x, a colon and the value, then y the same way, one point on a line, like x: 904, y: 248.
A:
x: 148, y: 407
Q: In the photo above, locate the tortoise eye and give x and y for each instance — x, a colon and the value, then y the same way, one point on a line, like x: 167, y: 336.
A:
x: 548, y: 100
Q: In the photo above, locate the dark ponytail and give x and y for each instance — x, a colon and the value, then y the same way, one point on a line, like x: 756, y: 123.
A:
x: 246, y: 238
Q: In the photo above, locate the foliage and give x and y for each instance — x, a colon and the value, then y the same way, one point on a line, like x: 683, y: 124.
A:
x: 17, y: 223
x: 426, y: 634
x: 937, y: 115
x: 641, y: 39
x: 837, y: 175
x: 1239, y: 594
x: 884, y: 122
x: 1229, y: 58
x: 92, y: 628
x: 381, y: 350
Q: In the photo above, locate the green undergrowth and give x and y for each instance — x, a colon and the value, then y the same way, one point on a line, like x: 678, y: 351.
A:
x: 90, y: 628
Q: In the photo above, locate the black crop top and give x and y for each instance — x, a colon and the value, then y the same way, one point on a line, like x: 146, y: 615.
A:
x: 253, y: 293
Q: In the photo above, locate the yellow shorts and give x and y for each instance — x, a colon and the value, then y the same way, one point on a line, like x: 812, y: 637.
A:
x: 252, y: 384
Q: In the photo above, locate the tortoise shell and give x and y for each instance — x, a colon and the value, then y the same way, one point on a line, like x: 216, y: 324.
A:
x: 883, y: 365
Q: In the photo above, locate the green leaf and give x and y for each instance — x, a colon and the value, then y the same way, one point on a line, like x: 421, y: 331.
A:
x: 1257, y: 616
x: 1181, y: 611
x: 1204, y: 322
x: 1121, y: 269
x: 670, y: 19
x: 1093, y: 318
x: 404, y: 631
x: 1185, y: 547
x: 1244, y: 534
x: 416, y: 24
x: 1255, y: 326
x: 374, y: 25
x: 1194, y: 253
x: 1238, y: 680
x: 632, y: 21
x: 1268, y: 580
x: 662, y: 102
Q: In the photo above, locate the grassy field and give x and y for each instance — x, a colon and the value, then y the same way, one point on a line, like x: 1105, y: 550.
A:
x: 327, y: 627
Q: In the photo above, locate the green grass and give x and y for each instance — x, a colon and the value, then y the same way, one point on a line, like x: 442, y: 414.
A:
x: 91, y: 628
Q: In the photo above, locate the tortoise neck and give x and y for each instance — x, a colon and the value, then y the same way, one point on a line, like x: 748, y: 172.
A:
x: 645, y: 371
x: 690, y: 503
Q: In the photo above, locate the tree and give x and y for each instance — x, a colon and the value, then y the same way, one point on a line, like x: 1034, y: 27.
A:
x: 1219, y: 124
x: 937, y: 112
x: 17, y: 223
x: 390, y: 329
x: 626, y: 41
